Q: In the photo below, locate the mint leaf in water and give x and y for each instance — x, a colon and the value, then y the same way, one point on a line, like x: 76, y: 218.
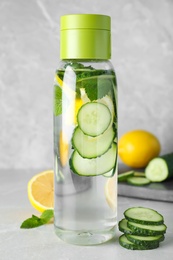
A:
x: 97, y: 87
x: 35, y: 221
x: 105, y: 86
x: 57, y: 100
x: 96, y: 82
x: 90, y: 87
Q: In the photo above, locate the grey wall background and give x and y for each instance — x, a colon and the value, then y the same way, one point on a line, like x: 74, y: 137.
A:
x: 142, y: 54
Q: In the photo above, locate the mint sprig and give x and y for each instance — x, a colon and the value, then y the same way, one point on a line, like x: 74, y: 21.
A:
x: 96, y: 82
x: 35, y: 221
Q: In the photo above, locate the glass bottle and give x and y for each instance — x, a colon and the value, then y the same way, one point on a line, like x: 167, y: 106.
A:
x: 85, y: 132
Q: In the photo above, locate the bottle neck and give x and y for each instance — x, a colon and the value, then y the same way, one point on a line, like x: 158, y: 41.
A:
x: 96, y: 64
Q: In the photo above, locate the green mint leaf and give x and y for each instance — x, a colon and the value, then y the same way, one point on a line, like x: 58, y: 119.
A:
x: 35, y: 221
x: 97, y: 87
x: 35, y: 217
x: 32, y: 222
x: 90, y: 86
x: 96, y: 82
x: 104, y: 86
x: 57, y: 100
x: 88, y: 73
x: 47, y: 215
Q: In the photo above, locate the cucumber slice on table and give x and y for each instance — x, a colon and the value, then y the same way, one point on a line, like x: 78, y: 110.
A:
x: 145, y: 240
x: 161, y: 168
x: 92, y: 147
x: 132, y: 228
x: 122, y: 225
x: 94, y: 118
x: 130, y: 245
x: 95, y: 166
x: 144, y: 216
x: 123, y: 176
x: 146, y: 230
x: 138, y: 181
x: 139, y: 174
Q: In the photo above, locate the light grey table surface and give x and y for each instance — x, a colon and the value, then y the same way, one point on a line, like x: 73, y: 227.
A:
x: 42, y: 243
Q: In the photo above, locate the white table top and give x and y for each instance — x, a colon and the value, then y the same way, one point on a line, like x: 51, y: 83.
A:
x: 42, y: 243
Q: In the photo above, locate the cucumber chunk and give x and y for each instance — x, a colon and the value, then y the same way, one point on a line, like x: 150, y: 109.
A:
x: 94, y: 118
x: 146, y: 241
x: 144, y: 216
x: 146, y: 230
x: 92, y: 147
x: 161, y: 168
x: 123, y: 241
x: 138, y: 181
x: 95, y: 166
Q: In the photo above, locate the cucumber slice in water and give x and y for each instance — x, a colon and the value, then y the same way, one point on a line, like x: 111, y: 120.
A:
x: 95, y: 166
x: 92, y: 147
x: 144, y: 216
x: 94, y: 118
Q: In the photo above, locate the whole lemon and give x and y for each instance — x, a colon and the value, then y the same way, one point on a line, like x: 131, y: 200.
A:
x: 136, y: 148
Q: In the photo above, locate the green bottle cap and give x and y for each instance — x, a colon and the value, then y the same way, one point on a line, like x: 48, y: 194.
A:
x: 85, y: 36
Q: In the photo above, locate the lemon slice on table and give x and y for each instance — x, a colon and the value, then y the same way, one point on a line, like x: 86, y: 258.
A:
x: 41, y: 190
x: 110, y: 192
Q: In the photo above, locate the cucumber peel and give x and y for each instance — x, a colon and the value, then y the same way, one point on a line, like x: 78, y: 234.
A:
x: 160, y: 168
x: 157, y: 170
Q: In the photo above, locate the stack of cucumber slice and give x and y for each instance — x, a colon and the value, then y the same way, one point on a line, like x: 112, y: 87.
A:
x: 93, y: 141
x: 143, y: 229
